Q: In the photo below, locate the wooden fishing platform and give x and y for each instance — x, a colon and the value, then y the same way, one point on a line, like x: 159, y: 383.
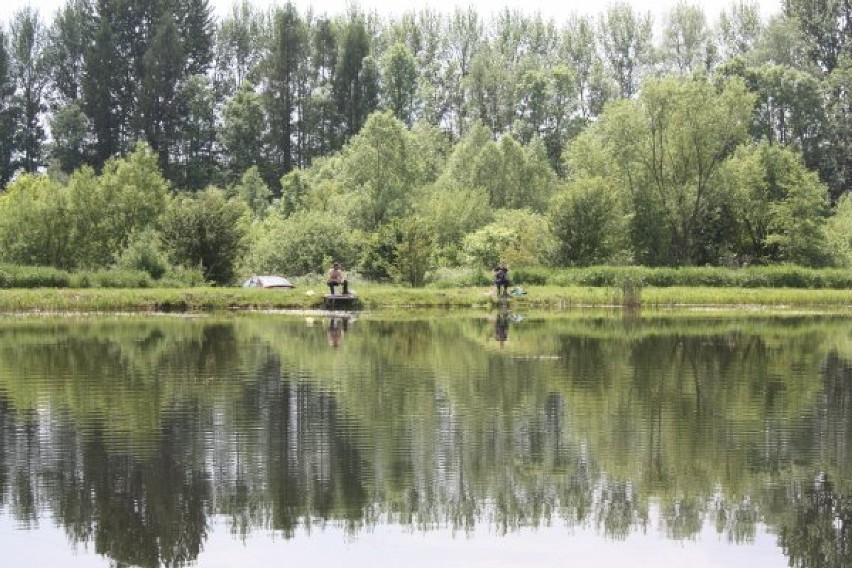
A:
x: 339, y: 301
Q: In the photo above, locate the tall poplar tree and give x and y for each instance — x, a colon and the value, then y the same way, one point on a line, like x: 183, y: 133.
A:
x: 7, y: 113
x: 353, y: 86
x: 283, y: 85
x: 686, y: 39
x: 68, y: 129
x: 109, y: 80
x: 826, y: 29
x: 100, y: 85
x: 160, y: 109
x: 432, y: 100
x: 194, y: 21
x: 837, y: 160
x: 68, y: 37
x: 239, y: 37
x: 30, y: 72
x: 242, y: 130
x: 626, y: 39
x: 739, y: 28
x: 197, y: 149
x: 399, y: 82
x: 321, y: 116
x: 465, y: 38
x: 577, y: 48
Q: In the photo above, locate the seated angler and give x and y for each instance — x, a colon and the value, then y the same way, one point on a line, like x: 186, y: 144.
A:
x: 336, y: 277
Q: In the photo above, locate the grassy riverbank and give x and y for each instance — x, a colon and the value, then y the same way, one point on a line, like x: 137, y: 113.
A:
x: 383, y: 296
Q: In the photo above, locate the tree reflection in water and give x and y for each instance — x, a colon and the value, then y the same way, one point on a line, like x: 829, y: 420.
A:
x: 134, y: 434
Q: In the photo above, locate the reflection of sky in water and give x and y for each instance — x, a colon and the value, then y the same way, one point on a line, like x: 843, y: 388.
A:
x: 392, y: 545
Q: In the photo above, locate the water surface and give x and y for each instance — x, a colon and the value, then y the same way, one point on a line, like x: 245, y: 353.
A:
x: 440, y: 440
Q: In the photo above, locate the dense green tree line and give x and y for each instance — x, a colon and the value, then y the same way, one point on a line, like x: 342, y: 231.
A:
x: 356, y: 136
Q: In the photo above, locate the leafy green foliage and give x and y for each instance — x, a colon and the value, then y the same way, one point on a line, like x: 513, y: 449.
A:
x: 413, y: 253
x: 206, y: 231
x: 477, y: 117
x: 294, y: 193
x: 515, y: 237
x: 838, y: 232
x: 254, y: 192
x: 588, y: 222
x: 663, y: 152
x: 380, y: 171
x: 69, y: 126
x: 305, y: 242
x: 402, y: 251
x: 379, y: 253
x: 780, y: 205
x: 242, y: 129
x: 514, y: 176
x: 36, y: 224
x: 128, y: 197
x: 144, y: 252
x: 452, y: 211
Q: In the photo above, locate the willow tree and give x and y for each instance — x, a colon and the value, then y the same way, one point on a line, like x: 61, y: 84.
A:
x: 515, y: 176
x: 127, y: 198
x: 381, y: 172
x: 781, y: 206
x: 664, y: 150
x: 380, y: 165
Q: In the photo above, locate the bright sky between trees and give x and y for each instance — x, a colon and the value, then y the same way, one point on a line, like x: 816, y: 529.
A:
x: 559, y: 10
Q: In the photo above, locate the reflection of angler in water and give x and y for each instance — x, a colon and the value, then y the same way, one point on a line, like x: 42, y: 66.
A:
x: 336, y: 328
x: 501, y: 328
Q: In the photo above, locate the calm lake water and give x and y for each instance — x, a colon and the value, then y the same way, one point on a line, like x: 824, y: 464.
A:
x: 487, y: 440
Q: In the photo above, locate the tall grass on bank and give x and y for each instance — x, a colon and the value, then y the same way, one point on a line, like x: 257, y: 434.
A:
x: 15, y: 276
x: 782, y: 276
x: 12, y: 276
x: 390, y: 297
x: 25, y: 289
